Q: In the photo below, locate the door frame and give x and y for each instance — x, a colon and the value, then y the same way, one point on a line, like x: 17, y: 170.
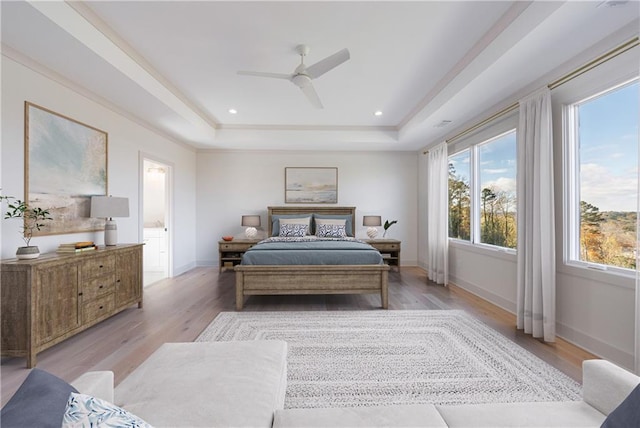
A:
x: 142, y: 156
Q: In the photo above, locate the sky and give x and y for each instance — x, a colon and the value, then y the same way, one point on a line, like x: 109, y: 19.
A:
x: 608, y: 134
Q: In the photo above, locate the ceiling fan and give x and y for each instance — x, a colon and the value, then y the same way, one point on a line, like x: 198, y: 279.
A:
x: 303, y: 75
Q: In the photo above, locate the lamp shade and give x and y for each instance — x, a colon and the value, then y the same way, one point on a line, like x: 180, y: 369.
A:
x: 372, y: 220
x: 251, y: 220
x: 109, y: 206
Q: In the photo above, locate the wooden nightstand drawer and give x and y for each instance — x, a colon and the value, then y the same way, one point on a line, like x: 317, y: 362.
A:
x: 387, y: 247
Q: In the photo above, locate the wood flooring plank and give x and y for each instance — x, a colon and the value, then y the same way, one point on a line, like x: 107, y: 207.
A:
x: 178, y: 309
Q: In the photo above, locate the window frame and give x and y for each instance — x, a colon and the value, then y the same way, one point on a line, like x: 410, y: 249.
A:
x: 489, y: 134
x: 571, y: 178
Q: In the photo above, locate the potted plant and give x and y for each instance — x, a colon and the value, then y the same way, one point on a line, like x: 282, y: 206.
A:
x: 34, y: 219
x: 387, y: 225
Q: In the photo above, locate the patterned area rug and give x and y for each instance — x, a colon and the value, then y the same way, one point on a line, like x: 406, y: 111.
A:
x: 369, y: 358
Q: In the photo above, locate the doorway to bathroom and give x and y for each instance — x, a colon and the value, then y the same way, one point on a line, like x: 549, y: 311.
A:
x: 156, y: 221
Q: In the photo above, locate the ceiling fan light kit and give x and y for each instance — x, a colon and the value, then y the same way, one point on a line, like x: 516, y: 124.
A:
x: 303, y: 75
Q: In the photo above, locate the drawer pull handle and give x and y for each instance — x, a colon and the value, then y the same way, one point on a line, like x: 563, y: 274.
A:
x: 101, y: 266
x: 101, y: 306
x: 80, y: 294
x: 101, y: 286
x: 118, y: 280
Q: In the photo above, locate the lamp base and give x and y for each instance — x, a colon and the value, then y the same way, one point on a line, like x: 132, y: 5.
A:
x: 251, y: 232
x: 110, y: 233
x: 372, y: 232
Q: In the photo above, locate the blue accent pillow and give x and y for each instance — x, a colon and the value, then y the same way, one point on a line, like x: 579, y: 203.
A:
x: 40, y: 402
x: 347, y: 218
x: 627, y: 414
x: 293, y: 230
x: 275, y: 221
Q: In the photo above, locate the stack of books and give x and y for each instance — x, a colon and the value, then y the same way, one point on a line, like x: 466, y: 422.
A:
x: 77, y: 247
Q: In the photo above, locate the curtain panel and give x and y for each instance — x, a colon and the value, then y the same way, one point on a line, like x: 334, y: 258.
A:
x: 536, y: 280
x: 438, y: 214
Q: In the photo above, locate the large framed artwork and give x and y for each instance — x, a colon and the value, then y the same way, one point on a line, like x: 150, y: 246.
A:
x: 311, y: 185
x: 65, y: 164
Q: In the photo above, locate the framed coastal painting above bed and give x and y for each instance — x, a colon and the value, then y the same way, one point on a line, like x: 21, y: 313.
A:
x: 311, y: 185
x: 65, y: 164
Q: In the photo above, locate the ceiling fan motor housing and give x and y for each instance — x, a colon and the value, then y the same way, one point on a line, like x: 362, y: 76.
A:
x: 301, y: 80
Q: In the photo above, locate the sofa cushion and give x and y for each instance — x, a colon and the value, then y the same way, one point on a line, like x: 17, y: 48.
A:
x: 539, y: 414
x: 87, y: 411
x: 605, y: 385
x: 418, y: 415
x: 627, y: 414
x: 39, y: 402
x: 208, y: 384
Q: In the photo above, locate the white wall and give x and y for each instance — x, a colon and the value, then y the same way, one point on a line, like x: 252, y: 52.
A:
x: 233, y: 183
x: 594, y: 310
x: 126, y: 140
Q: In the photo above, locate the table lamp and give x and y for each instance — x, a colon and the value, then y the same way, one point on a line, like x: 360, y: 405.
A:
x: 251, y: 221
x: 109, y: 207
x: 372, y: 221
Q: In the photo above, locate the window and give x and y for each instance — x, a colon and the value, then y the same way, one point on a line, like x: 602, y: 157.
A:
x: 482, y: 192
x: 603, y: 175
x: 460, y: 196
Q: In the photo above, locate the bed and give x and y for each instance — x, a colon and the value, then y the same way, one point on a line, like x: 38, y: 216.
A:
x: 281, y: 279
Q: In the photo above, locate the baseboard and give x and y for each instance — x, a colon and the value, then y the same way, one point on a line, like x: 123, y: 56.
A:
x: 595, y: 346
x: 486, y: 295
x: 179, y: 270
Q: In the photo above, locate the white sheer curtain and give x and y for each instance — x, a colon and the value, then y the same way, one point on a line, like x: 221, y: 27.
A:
x: 438, y: 213
x: 536, y: 287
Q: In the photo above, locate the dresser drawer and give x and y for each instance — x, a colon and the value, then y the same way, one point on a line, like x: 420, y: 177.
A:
x: 98, y: 286
x: 98, y: 307
x: 97, y: 266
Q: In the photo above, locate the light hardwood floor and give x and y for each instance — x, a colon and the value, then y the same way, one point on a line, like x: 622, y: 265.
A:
x: 178, y: 309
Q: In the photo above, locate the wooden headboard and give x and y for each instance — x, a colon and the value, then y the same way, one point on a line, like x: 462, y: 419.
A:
x: 305, y: 210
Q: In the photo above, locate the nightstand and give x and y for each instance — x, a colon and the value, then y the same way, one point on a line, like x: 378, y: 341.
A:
x: 230, y: 252
x: 389, y: 248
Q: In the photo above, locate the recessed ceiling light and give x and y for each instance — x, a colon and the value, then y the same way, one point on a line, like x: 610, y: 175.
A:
x: 233, y: 111
x: 377, y: 113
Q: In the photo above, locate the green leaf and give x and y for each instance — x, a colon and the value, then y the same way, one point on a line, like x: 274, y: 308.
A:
x: 388, y: 224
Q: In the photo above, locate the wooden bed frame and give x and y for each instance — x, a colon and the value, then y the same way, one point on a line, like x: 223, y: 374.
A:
x: 311, y: 279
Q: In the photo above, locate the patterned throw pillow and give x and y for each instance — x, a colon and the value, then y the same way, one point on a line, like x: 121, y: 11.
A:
x: 331, y: 230
x: 293, y: 230
x: 87, y: 411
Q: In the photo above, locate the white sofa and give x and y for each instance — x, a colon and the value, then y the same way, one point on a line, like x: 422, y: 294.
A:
x: 233, y: 384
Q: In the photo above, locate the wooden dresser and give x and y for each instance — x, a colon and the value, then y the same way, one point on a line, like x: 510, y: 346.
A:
x: 49, y: 299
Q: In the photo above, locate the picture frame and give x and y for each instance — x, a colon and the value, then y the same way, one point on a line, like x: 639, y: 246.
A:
x: 315, y: 185
x: 65, y: 165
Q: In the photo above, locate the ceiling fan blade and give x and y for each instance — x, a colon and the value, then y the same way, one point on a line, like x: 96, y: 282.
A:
x: 262, y: 74
x: 319, y: 68
x: 312, y: 95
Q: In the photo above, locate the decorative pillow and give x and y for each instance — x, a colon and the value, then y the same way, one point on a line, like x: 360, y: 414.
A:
x: 39, y: 402
x: 293, y: 230
x: 277, y: 219
x: 627, y: 414
x: 347, y: 218
x: 324, y: 230
x: 87, y: 411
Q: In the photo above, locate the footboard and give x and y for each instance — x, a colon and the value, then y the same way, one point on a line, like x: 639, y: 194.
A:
x: 307, y: 279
